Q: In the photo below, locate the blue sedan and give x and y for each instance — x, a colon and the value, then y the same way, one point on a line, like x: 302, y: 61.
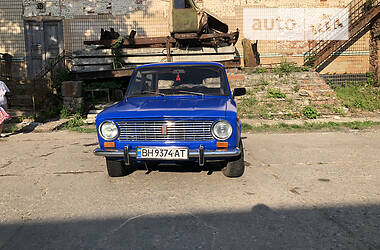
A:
x: 173, y: 112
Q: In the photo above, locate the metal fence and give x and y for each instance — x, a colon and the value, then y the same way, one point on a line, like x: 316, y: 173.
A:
x: 354, y: 61
x: 5, y: 65
x: 87, y: 28
x: 342, y: 79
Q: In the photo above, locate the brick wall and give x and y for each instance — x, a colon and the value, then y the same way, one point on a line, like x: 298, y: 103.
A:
x: 301, y: 89
x: 353, y: 60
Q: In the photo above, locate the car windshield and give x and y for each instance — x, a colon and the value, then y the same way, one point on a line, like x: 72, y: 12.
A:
x: 178, y: 80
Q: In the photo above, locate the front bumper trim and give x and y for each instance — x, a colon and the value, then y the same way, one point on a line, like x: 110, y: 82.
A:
x: 192, y: 153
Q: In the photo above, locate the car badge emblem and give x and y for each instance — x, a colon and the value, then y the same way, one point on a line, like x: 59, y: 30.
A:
x: 164, y: 130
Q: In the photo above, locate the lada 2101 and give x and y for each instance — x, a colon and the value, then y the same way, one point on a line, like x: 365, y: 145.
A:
x: 173, y: 112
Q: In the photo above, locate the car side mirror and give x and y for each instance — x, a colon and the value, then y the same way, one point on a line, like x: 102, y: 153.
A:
x: 239, y: 92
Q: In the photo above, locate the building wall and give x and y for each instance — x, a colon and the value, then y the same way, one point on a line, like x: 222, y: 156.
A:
x: 83, y: 20
x: 87, y: 27
x: 12, y: 34
x: 73, y: 8
x: 11, y: 28
x: 276, y: 51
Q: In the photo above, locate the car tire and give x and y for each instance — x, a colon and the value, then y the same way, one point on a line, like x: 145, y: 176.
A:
x: 235, y: 167
x: 116, y: 168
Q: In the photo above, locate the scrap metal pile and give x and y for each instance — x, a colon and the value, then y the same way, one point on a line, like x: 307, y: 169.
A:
x: 196, y: 35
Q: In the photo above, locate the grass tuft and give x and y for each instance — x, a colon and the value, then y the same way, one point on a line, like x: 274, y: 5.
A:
x: 83, y: 129
x: 276, y: 93
x: 310, y: 126
x: 361, y: 97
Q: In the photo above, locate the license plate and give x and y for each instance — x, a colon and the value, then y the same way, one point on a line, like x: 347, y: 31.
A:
x: 163, y: 153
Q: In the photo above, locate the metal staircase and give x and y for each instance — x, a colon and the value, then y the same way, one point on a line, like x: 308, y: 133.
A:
x: 361, y: 15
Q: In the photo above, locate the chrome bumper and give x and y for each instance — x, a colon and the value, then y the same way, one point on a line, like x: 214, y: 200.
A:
x: 200, y: 153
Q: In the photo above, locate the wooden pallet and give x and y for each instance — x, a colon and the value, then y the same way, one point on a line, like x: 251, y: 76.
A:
x: 102, y: 60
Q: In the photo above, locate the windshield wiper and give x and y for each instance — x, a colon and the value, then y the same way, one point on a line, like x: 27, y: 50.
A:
x: 190, y: 92
x: 152, y: 92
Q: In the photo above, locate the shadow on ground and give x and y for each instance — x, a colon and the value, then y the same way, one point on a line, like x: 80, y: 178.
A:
x: 29, y: 128
x: 182, y: 167
x: 349, y: 227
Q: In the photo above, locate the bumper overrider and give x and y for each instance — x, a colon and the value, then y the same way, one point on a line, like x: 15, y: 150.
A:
x: 201, y: 154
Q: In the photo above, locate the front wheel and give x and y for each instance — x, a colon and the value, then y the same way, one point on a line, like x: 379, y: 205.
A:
x: 116, y: 168
x: 235, y: 167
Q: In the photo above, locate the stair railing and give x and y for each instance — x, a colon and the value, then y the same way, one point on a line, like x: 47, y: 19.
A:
x: 357, y: 9
x: 50, y: 66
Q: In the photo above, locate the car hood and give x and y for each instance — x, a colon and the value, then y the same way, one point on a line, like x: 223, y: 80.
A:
x: 158, y: 107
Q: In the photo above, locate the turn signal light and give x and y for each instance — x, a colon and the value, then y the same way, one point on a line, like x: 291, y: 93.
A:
x: 222, y: 144
x: 109, y: 144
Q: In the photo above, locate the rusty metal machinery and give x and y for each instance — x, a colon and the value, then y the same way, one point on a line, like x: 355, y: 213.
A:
x: 195, y: 35
x: 186, y: 17
x: 188, y: 25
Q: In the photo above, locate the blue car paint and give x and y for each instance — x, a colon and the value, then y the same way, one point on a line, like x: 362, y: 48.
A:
x: 170, y: 106
x: 186, y: 107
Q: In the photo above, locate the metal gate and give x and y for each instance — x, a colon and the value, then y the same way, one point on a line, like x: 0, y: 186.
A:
x: 43, y: 42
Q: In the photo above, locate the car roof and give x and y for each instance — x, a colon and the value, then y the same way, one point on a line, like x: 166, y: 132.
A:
x: 180, y: 63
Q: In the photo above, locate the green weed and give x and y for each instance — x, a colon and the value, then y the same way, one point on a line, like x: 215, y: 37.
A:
x: 285, y: 68
x: 261, y: 70
x: 60, y: 76
x: 262, y: 81
x: 310, y: 60
x: 296, y: 88
x: 310, y: 126
x: 75, y: 121
x: 310, y: 112
x: 246, y: 127
x: 275, y: 93
x: 52, y: 111
x: 65, y: 113
x: 10, y: 129
x: 83, y: 129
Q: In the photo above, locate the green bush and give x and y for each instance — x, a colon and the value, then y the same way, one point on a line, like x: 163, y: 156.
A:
x: 49, y: 113
x: 60, y: 76
x: 368, y: 5
x: 285, y: 68
x: 370, y: 78
x: 76, y: 121
x: 117, y: 52
x: 310, y: 112
x: 310, y: 60
x: 65, y: 113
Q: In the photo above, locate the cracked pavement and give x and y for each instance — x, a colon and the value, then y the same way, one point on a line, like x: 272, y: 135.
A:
x: 300, y: 191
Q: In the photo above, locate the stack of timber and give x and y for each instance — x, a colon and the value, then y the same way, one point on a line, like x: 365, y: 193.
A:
x: 95, y: 60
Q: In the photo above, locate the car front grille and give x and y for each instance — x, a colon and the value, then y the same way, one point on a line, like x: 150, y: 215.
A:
x: 165, y: 130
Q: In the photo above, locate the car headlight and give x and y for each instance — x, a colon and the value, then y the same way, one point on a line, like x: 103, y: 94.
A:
x: 222, y: 130
x: 108, y: 131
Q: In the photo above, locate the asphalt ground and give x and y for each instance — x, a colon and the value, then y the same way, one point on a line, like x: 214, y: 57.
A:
x: 300, y: 191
